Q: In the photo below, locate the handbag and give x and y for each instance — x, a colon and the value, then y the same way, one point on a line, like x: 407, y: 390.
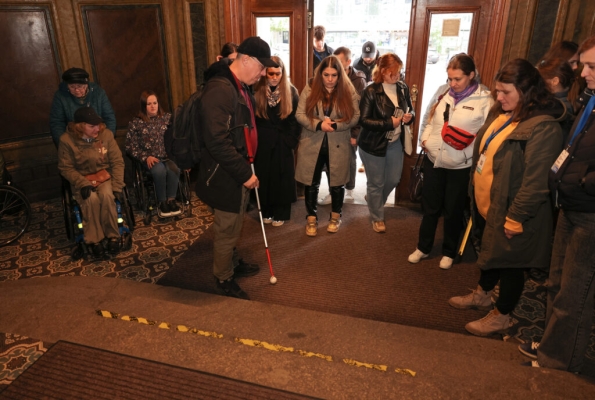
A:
x: 456, y: 138
x: 98, y: 177
x: 416, y: 179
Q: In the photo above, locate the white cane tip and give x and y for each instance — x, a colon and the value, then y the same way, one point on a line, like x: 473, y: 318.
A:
x: 273, y: 280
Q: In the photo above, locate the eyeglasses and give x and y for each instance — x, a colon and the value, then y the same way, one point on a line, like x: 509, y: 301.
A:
x: 272, y: 74
x: 77, y: 86
x: 259, y: 63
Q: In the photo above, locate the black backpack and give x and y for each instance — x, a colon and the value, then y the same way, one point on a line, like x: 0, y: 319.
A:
x: 182, y: 137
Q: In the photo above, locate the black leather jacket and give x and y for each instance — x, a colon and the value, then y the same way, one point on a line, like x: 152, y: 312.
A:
x: 376, y: 110
x: 224, y: 165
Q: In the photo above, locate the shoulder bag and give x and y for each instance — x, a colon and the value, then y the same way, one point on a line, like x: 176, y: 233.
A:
x: 416, y: 180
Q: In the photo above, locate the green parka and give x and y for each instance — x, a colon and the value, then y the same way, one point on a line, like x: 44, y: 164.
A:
x: 520, y: 192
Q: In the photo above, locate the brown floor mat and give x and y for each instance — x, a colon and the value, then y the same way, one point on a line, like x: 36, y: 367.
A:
x: 354, y: 272
x: 73, y: 371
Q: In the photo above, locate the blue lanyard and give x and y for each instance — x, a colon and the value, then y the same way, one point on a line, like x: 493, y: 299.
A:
x: 583, y: 121
x: 494, y: 134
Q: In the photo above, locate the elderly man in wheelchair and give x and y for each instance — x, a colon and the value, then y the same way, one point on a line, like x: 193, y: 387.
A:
x: 91, y: 161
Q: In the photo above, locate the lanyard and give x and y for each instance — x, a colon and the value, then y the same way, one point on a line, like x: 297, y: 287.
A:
x: 494, y: 134
x: 583, y: 121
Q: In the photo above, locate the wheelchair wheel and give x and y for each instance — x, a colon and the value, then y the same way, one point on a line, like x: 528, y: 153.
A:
x: 128, y: 211
x: 15, y: 214
x: 67, y: 209
x: 185, y: 193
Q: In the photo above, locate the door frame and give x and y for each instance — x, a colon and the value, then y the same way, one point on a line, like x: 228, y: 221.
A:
x: 238, y: 28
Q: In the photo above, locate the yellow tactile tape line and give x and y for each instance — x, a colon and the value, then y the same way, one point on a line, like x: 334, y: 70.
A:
x: 251, y: 342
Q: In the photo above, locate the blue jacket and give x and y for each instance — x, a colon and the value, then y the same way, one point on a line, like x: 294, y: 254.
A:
x: 64, y: 105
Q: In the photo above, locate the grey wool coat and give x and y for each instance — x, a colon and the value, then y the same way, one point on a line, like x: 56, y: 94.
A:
x: 311, y: 140
x: 520, y: 192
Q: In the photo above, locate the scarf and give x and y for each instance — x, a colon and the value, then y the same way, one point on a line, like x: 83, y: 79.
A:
x: 273, y: 96
x: 464, y: 94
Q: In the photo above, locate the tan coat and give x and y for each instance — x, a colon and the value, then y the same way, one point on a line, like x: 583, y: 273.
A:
x: 77, y: 158
x: 339, y: 143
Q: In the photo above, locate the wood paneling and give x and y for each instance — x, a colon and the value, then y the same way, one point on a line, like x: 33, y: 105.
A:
x: 128, y: 55
x: 30, y: 71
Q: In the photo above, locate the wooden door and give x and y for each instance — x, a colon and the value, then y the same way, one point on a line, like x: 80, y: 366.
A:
x: 245, y: 25
x: 485, y: 40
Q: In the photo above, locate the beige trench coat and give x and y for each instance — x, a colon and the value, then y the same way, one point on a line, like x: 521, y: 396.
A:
x: 311, y: 141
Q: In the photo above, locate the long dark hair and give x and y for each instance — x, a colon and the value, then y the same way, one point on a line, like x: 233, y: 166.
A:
x: 533, y: 92
x: 142, y: 114
x: 343, y: 100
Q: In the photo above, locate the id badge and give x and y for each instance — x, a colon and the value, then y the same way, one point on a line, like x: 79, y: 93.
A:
x: 480, y: 163
x: 559, y: 161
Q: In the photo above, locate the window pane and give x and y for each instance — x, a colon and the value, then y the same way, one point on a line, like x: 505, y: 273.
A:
x: 275, y: 31
x: 449, y: 35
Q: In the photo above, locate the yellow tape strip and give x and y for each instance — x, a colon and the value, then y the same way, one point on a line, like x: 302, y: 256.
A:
x: 268, y: 346
x: 355, y: 363
x: 316, y: 355
x: 405, y: 371
x: 252, y: 342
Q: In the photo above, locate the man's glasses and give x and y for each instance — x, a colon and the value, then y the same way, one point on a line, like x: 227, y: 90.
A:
x: 259, y: 63
x: 76, y: 86
x: 273, y: 74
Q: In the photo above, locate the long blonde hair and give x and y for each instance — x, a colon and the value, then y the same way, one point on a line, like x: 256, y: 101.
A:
x: 260, y: 94
x: 343, y: 99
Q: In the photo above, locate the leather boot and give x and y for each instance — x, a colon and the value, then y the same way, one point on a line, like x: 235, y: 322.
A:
x: 311, y: 226
x: 334, y: 223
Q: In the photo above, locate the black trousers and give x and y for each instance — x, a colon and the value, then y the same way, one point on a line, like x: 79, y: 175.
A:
x: 311, y: 192
x: 512, y: 282
x: 444, y: 193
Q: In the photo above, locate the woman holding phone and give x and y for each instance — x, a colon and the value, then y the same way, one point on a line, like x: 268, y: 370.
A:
x: 385, y: 109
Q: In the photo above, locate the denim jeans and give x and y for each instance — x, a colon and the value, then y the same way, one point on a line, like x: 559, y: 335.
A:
x: 383, y: 175
x: 166, y: 176
x: 571, y: 287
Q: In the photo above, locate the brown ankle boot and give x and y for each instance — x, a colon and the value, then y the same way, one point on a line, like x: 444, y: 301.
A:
x: 311, y: 226
x: 334, y: 223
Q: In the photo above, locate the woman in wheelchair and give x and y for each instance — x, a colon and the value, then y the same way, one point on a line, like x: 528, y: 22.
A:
x: 90, y: 159
x: 145, y: 143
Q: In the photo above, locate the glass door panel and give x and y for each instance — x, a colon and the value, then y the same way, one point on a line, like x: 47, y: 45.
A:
x: 449, y: 35
x: 275, y: 31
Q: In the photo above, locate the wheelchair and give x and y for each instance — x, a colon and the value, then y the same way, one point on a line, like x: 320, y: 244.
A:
x: 15, y: 213
x: 73, y: 219
x: 15, y: 209
x: 146, y: 198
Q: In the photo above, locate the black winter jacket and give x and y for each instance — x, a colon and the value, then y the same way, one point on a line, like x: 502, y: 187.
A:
x: 573, y: 186
x: 376, y: 110
x: 224, y: 166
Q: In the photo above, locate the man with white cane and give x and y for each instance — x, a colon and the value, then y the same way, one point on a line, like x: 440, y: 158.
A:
x: 225, y: 176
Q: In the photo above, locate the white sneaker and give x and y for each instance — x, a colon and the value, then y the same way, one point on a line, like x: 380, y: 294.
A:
x: 446, y: 262
x: 267, y: 220
x: 416, y: 256
x: 278, y: 223
x: 348, y: 194
x: 325, y: 200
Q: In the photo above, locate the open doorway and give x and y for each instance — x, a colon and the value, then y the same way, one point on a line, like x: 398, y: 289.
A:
x: 353, y: 24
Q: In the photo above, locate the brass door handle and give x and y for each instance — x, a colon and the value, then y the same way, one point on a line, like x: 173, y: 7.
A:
x: 413, y: 93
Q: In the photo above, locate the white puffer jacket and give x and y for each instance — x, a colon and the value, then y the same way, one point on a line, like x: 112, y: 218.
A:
x: 469, y: 114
